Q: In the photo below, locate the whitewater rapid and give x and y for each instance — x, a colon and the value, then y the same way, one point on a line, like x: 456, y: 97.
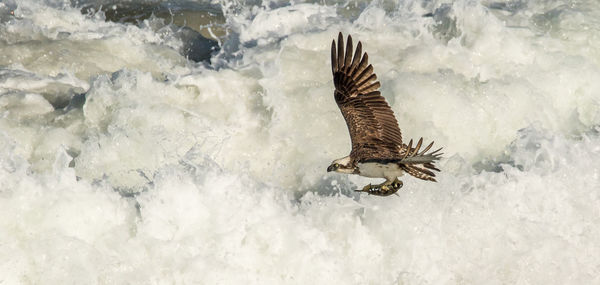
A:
x: 124, y: 161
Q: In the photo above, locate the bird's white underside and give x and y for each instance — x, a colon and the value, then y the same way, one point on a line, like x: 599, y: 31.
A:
x: 389, y: 171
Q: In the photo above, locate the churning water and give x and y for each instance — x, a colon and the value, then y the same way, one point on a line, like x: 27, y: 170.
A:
x: 181, y: 142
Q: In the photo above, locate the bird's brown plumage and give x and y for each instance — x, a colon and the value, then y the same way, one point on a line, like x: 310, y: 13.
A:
x: 374, y: 131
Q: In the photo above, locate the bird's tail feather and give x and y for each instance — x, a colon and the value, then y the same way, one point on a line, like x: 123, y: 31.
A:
x: 419, y: 172
x: 420, y: 164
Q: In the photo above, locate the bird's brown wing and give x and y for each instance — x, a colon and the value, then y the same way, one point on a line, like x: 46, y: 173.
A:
x: 374, y: 131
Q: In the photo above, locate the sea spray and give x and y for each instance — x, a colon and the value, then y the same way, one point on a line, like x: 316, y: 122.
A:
x: 122, y: 161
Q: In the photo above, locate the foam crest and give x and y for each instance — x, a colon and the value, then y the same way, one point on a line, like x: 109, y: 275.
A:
x: 123, y: 162
x: 289, y: 19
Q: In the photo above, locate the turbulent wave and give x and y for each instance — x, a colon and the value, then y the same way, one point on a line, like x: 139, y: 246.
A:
x: 125, y: 161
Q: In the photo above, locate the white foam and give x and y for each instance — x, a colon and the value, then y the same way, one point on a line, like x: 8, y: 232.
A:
x: 176, y: 173
x: 285, y: 21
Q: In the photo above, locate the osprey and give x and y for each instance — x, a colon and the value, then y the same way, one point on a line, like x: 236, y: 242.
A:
x: 377, y: 148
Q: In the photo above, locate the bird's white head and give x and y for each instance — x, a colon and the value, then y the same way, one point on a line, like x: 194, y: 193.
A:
x: 342, y: 165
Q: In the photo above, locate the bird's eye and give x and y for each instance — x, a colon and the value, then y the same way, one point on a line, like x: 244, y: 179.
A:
x: 336, y: 165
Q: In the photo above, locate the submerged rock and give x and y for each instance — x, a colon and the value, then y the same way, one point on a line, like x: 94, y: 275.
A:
x: 195, y: 46
x: 7, y: 10
x: 199, y: 26
x: 444, y: 27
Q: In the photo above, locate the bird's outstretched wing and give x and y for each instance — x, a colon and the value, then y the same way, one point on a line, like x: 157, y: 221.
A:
x: 374, y: 131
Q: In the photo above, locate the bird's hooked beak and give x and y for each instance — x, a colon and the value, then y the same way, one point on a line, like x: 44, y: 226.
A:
x: 330, y: 168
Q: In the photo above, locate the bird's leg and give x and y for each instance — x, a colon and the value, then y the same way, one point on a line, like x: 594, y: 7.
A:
x: 384, y: 189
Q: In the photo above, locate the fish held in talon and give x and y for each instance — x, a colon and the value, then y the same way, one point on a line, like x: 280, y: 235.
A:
x: 382, y: 189
x: 377, y: 147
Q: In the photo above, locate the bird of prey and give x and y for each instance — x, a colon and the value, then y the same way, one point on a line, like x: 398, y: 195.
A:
x: 377, y: 148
